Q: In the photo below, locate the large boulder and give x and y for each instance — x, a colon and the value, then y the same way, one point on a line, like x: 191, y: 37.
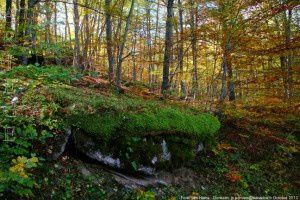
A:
x: 146, y: 154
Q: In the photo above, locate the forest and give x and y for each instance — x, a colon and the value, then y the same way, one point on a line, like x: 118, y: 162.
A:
x: 150, y: 99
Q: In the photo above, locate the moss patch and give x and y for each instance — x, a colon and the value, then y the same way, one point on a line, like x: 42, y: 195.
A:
x: 112, y: 115
x: 49, y: 95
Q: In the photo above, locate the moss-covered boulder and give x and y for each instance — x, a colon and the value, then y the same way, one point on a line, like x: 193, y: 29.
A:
x: 122, y: 130
x: 146, y: 154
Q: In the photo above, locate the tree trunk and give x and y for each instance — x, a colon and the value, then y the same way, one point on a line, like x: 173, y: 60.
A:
x: 48, y: 24
x: 134, y: 71
x: 231, y: 85
x: 55, y: 22
x: 67, y: 26
x: 180, y: 52
x: 148, y: 19
x: 122, y: 46
x: 30, y: 29
x: 286, y: 61
x: 228, y: 86
x: 8, y: 15
x: 168, y: 47
x: 155, y: 39
x: 194, y: 48
x: 87, y: 38
x: 109, y: 46
x: 76, y: 62
x: 21, y: 30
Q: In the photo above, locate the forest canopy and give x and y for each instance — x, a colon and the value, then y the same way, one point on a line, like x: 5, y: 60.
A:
x: 201, y: 49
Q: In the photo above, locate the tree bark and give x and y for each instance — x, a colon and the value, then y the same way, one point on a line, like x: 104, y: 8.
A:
x: 168, y: 47
x: 48, y: 18
x: 286, y: 61
x: 150, y: 68
x: 109, y: 46
x: 76, y: 61
x: 87, y: 38
x: 67, y: 26
x: 8, y: 15
x: 21, y: 30
x: 122, y: 46
x: 180, y: 52
x: 55, y: 22
x: 194, y: 48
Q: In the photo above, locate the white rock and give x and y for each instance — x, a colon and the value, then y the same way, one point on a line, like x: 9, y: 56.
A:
x: 14, y: 100
x: 200, y: 147
x: 166, y: 155
x: 154, y: 160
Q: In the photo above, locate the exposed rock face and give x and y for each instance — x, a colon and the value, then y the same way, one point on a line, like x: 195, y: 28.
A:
x: 88, y: 146
x: 58, y: 146
x: 146, y: 155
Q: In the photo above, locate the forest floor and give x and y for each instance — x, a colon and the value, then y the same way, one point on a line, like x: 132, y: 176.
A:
x: 256, y: 151
x: 257, y: 154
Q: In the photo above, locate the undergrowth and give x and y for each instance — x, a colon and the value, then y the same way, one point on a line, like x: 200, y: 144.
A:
x: 36, y: 103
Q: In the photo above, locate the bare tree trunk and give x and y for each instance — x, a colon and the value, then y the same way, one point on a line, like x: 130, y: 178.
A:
x: 87, y: 37
x: 180, y: 53
x: 148, y: 19
x: 118, y: 33
x: 168, y: 47
x: 286, y: 61
x: 67, y: 26
x: 226, y: 65
x: 17, y: 16
x: 76, y: 62
x: 155, y: 39
x: 48, y: 17
x: 134, y: 70
x: 30, y: 30
x: 122, y: 46
x: 231, y: 85
x: 194, y: 48
x: 55, y: 21
x: 109, y: 45
x: 21, y: 30
x: 8, y: 15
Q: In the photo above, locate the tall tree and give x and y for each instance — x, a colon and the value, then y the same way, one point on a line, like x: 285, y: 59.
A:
x: 8, y: 14
x: 168, y: 46
x: 76, y: 61
x: 122, y: 45
x: 21, y: 30
x: 286, y: 60
x: 30, y: 28
x: 193, y: 23
x: 181, y: 42
x: 67, y: 24
x: 230, y: 11
x: 109, y: 45
x: 48, y: 22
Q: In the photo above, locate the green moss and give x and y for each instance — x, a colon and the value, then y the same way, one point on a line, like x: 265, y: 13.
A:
x: 106, y: 114
x: 167, y: 121
x: 47, y: 74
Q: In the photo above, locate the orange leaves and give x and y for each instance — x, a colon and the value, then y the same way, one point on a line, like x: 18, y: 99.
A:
x: 233, y: 176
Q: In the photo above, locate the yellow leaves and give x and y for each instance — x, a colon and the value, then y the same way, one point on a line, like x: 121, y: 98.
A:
x: 21, y: 164
x: 34, y: 159
x: 223, y: 146
x: 194, y: 195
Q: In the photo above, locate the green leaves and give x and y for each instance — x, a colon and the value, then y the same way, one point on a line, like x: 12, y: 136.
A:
x: 134, y: 165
